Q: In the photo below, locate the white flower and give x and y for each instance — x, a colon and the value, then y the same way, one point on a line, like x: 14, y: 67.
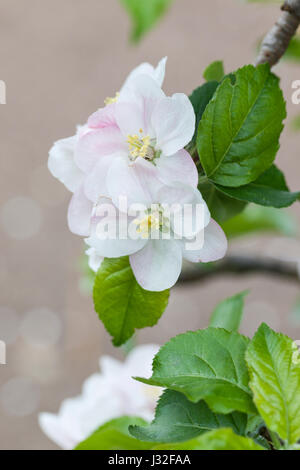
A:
x: 145, y: 131
x: 174, y: 223
x: 61, y: 156
x: 105, y: 396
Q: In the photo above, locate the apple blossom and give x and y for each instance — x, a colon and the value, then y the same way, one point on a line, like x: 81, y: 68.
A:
x: 61, y: 156
x: 144, y: 128
x: 172, y: 223
x: 105, y: 396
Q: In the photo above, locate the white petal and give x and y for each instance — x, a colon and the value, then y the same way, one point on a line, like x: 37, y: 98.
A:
x: 188, y: 210
x: 115, y: 248
x: 145, y: 93
x: 178, y: 167
x: 158, y: 73
x: 62, y: 165
x: 130, y: 119
x: 96, y: 144
x: 214, y: 247
x: 173, y: 121
x: 123, y: 182
x: 148, y: 176
x: 107, y: 223
x: 95, y: 182
x: 158, y: 265
x: 95, y: 260
x: 79, y: 213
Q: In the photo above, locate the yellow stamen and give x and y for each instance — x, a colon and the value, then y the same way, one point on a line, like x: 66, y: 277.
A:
x: 110, y: 100
x: 145, y: 225
x: 138, y: 145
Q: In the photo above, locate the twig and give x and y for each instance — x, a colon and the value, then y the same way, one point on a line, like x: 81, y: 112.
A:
x: 241, y: 265
x: 278, y: 38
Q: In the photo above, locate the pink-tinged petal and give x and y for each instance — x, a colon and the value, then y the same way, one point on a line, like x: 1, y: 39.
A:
x: 146, y: 94
x: 158, y: 265
x: 97, y: 144
x: 148, y: 177
x: 214, y: 245
x: 123, y: 182
x: 79, y: 213
x: 62, y: 165
x: 95, y: 182
x: 173, y: 121
x: 104, y: 117
x: 130, y: 119
x: 178, y: 167
x: 82, y: 130
x: 158, y: 73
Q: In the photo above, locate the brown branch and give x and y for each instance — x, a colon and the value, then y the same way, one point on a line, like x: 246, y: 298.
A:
x: 238, y: 265
x: 278, y: 38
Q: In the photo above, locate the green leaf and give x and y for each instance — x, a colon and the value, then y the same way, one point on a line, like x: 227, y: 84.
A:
x: 215, y: 71
x: 122, y: 304
x: 238, y: 135
x: 270, y: 189
x: 114, y: 435
x: 206, y: 364
x: 145, y: 14
x: 228, y: 314
x: 221, y: 207
x: 220, y: 439
x: 177, y: 419
x: 275, y: 382
x: 260, y: 219
x: 200, y: 98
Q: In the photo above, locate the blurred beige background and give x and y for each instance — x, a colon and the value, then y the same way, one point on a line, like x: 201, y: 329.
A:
x: 60, y: 59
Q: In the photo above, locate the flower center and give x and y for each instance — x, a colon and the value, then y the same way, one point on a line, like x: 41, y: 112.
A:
x: 147, y: 223
x: 111, y: 100
x: 153, y: 220
x: 140, y: 146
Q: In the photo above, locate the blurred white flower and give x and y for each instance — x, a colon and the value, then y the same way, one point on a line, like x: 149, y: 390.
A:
x: 105, y: 396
